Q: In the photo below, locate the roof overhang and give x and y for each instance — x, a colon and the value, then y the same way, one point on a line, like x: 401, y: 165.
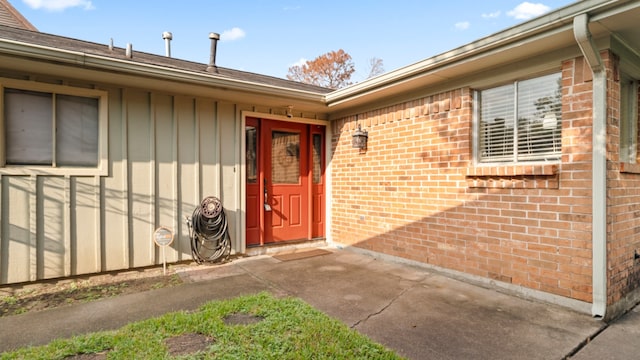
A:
x: 529, y: 41
x: 36, y: 59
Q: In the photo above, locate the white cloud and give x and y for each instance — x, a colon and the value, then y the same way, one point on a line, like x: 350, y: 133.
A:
x: 492, y: 15
x: 300, y: 62
x: 463, y: 25
x: 232, y: 34
x: 58, y: 5
x: 527, y: 10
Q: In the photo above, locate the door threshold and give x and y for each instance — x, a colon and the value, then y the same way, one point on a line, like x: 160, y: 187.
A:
x: 274, y: 248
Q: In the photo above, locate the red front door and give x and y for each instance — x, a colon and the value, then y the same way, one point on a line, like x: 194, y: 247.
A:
x: 284, y: 164
x: 286, y: 179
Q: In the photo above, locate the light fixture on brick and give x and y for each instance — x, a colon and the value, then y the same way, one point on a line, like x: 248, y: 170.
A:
x: 360, y: 138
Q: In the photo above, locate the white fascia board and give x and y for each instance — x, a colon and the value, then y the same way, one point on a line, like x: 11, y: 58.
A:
x: 106, y: 63
x: 560, y: 20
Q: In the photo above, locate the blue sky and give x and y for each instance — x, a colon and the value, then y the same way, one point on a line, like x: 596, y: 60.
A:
x: 267, y: 37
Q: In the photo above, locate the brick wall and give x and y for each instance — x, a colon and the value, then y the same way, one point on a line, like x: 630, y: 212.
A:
x: 623, y: 198
x: 416, y: 194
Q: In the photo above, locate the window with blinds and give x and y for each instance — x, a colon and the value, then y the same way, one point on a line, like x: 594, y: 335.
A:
x: 629, y: 119
x: 52, y: 129
x: 521, y: 122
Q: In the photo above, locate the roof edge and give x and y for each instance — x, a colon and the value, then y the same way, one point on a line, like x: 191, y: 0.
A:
x: 89, y: 61
x: 550, y: 21
x: 17, y: 16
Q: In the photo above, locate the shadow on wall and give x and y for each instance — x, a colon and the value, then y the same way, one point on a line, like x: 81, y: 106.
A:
x: 55, y: 227
x: 414, y: 198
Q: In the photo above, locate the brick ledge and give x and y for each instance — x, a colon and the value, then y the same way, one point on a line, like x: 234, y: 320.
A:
x: 629, y: 168
x: 513, y: 170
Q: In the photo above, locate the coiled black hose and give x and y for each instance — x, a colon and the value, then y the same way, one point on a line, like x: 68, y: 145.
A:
x: 209, y: 232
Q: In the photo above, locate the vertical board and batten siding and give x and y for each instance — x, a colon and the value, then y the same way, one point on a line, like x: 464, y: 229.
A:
x: 166, y: 153
x: 113, y: 194
x: 140, y: 181
x: 166, y: 184
x: 230, y: 162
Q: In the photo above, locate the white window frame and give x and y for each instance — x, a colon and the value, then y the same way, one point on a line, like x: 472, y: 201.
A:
x: 100, y: 169
x: 628, y: 119
x: 511, y: 160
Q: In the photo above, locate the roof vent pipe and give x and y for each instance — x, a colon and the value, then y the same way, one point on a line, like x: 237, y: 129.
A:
x: 167, y: 36
x: 212, y: 58
x: 129, y: 51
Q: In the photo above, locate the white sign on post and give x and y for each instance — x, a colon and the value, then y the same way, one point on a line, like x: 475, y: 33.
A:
x: 163, y: 237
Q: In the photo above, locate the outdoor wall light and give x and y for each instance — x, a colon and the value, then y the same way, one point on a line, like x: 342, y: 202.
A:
x: 360, y: 139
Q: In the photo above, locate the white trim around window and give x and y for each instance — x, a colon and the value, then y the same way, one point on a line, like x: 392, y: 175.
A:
x: 519, y: 122
x: 57, y: 130
x: 628, y: 119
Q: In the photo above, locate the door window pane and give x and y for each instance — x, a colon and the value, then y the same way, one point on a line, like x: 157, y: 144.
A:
x: 251, y: 138
x: 317, y: 159
x: 285, y: 157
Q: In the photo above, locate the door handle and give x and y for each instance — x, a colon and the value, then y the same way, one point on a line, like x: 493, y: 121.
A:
x: 267, y: 207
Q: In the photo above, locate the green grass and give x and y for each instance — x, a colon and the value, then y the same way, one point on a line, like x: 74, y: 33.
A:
x: 289, y: 329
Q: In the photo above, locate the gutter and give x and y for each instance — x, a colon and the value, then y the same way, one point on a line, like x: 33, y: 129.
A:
x: 599, y: 165
x: 155, y: 71
x: 556, y: 21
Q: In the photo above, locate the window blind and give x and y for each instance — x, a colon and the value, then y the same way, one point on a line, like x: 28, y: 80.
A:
x: 496, y: 124
x: 28, y: 127
x: 521, y: 121
x: 32, y: 123
x: 77, y: 131
x: 539, y: 115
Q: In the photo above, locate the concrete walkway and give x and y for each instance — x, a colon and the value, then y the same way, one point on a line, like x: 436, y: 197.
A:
x: 418, y: 313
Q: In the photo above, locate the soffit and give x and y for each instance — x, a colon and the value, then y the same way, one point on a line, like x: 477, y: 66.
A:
x: 45, y: 54
x: 525, y: 43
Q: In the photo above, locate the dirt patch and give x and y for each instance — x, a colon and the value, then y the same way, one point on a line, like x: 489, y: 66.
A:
x: 188, y: 344
x: 96, y: 356
x: 241, y: 319
x: 45, y: 295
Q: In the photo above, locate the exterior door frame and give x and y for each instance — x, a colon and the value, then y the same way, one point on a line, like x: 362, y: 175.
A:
x: 324, y: 125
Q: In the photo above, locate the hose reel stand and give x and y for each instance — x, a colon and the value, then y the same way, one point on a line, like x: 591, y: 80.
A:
x: 209, y: 232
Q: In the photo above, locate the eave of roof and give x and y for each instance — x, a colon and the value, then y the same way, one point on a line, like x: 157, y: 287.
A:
x: 476, y: 56
x: 525, y: 40
x: 62, y: 51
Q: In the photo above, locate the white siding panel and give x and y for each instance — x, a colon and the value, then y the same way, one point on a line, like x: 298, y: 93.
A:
x: 16, y: 229
x: 141, y: 185
x: 85, y: 226
x: 165, y: 154
x: 50, y: 215
x: 115, y: 255
x: 166, y: 171
x: 209, y: 148
x: 188, y: 174
x: 230, y: 167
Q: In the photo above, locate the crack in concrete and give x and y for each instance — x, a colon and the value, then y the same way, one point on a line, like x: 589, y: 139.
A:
x: 585, y: 342
x: 273, y: 287
x: 361, y: 321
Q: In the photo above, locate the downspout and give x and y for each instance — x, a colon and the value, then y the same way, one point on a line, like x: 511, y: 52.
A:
x: 599, y: 165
